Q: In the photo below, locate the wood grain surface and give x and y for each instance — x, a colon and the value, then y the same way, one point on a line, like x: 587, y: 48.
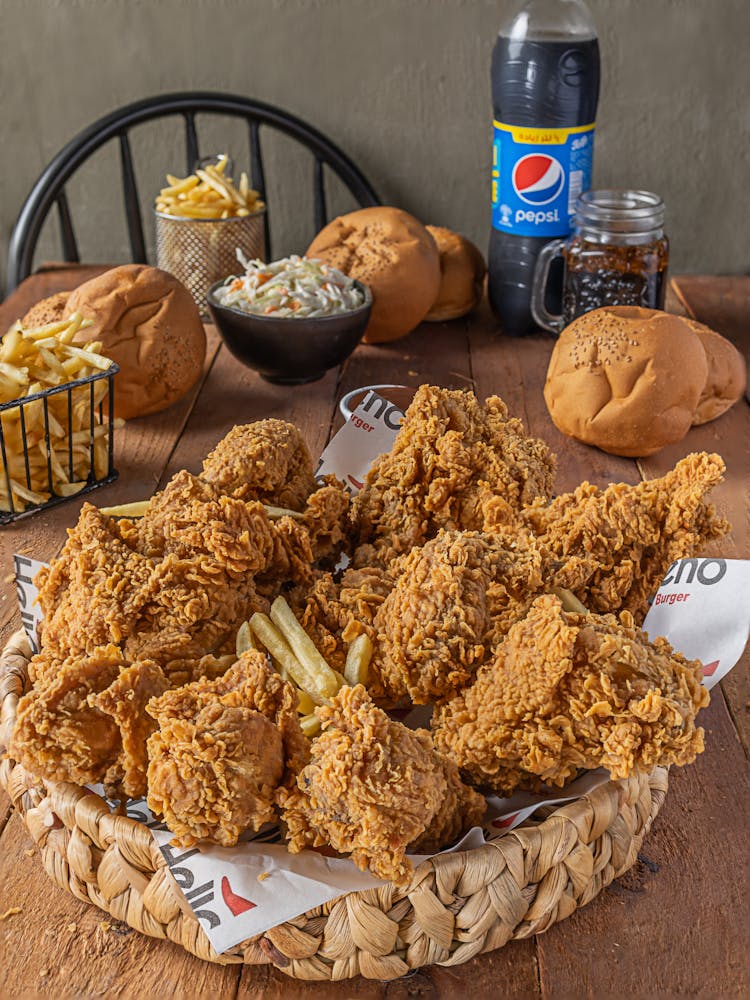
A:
x: 674, y: 925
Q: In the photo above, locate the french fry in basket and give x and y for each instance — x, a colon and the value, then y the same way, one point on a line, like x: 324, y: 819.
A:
x: 53, y: 444
x: 358, y: 656
x: 208, y: 194
x: 321, y: 680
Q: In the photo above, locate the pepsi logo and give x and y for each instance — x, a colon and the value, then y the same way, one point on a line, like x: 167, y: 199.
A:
x: 538, y: 178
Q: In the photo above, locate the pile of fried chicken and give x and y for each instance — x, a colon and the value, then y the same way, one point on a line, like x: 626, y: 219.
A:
x: 457, y: 559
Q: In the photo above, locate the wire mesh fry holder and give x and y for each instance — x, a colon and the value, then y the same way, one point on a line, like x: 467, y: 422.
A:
x: 100, y: 414
x: 200, y: 252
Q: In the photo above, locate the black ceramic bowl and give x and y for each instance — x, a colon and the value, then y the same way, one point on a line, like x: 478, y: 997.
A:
x: 288, y: 350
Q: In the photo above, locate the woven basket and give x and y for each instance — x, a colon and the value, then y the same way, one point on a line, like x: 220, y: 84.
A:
x: 457, y: 906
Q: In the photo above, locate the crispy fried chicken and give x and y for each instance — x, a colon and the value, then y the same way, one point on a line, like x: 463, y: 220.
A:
x: 223, y: 750
x: 455, y: 464
x: 567, y: 691
x: 267, y: 461
x: 373, y: 787
x: 94, y: 593
x: 84, y: 720
x: 612, y: 547
x: 451, y: 600
x: 175, y: 585
x: 335, y: 612
x: 182, y: 604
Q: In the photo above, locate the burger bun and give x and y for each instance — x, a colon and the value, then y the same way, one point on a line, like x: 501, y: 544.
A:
x: 149, y: 324
x: 462, y: 271
x: 394, y: 254
x: 626, y: 379
x: 727, y: 374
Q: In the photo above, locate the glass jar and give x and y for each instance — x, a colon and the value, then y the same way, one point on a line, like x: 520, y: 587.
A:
x: 617, y: 254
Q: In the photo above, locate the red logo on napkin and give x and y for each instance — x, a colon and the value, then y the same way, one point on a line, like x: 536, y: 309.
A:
x: 499, y: 824
x: 237, y: 904
x: 710, y: 668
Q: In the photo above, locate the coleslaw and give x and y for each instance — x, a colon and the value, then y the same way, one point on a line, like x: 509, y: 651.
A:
x: 291, y: 287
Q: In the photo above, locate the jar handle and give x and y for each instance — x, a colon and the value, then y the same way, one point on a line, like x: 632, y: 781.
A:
x: 545, y: 319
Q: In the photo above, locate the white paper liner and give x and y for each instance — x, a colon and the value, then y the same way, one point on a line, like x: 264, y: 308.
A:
x: 369, y: 432
x: 702, y: 608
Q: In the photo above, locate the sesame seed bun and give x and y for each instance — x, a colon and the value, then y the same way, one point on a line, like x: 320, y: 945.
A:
x: 626, y: 379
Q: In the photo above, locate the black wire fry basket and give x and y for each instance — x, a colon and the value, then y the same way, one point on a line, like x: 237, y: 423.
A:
x: 56, y: 444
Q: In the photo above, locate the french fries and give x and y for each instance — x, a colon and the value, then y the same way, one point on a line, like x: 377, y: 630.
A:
x: 276, y: 644
x: 274, y: 513
x: 323, y: 680
x: 358, y: 658
x: 244, y: 640
x: 310, y: 725
x: 569, y: 601
x: 34, y: 361
x: 297, y: 659
x: 137, y: 508
x: 208, y: 194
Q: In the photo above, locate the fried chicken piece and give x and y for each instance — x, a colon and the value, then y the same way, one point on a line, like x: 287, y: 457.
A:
x: 181, y: 657
x: 84, y: 720
x: 373, y: 787
x: 199, y: 600
x: 125, y: 701
x: 461, y: 809
x: 455, y: 464
x: 93, y: 593
x: 451, y: 598
x: 177, y: 583
x: 191, y: 518
x: 267, y: 461
x: 223, y: 750
x: 612, y: 547
x: 567, y: 691
x: 334, y: 613
x: 57, y: 734
x: 188, y: 590
x: 325, y: 517
x: 315, y: 537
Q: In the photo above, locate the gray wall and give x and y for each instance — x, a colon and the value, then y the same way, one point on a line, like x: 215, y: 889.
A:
x: 401, y: 85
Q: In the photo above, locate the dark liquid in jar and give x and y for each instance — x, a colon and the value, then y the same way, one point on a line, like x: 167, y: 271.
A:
x: 597, y: 275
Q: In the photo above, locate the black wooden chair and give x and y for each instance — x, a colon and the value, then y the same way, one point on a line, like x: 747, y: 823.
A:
x: 49, y: 189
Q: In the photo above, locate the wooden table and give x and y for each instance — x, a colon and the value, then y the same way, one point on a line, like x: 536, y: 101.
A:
x: 676, y: 924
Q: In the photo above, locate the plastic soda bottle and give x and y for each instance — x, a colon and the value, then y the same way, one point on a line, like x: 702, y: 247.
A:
x: 545, y: 88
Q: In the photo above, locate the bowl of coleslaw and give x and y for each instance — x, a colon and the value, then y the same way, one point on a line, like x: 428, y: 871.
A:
x: 290, y: 320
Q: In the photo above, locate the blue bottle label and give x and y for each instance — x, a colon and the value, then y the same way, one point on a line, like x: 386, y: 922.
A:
x: 537, y: 175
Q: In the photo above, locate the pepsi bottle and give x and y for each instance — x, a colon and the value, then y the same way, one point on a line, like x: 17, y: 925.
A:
x: 545, y: 88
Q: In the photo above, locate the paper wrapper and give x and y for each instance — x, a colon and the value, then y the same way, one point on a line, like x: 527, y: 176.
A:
x: 369, y: 432
x: 237, y: 893
x: 702, y: 608
x: 25, y: 570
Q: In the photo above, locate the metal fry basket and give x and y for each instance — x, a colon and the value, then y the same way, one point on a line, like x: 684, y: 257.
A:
x: 200, y: 252
x: 56, y: 444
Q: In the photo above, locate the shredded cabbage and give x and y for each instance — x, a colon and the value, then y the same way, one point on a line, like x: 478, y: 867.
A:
x: 291, y: 287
